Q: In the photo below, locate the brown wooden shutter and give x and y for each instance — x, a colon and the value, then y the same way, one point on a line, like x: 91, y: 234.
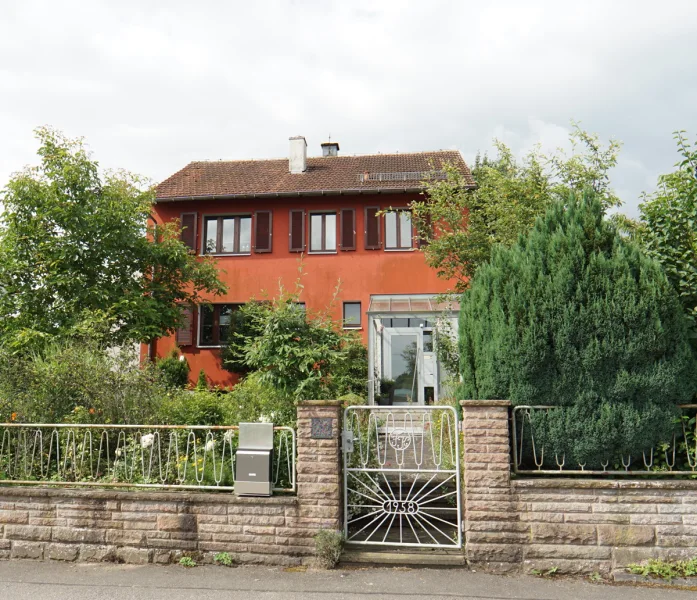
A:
x: 296, y: 235
x: 188, y: 231
x: 428, y: 230
x: 348, y: 229
x: 263, y: 231
x: 372, y: 228
x: 185, y: 332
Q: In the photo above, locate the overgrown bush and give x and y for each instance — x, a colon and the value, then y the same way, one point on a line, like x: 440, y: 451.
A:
x: 302, y: 355
x: 78, y: 382
x: 174, y: 369
x: 254, y: 399
x: 576, y: 316
x: 195, y: 407
x: 328, y: 546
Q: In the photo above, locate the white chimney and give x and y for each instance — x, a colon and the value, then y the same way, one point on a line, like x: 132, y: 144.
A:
x: 297, y: 161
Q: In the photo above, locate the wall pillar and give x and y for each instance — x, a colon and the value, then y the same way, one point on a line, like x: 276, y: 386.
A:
x: 319, y: 478
x: 493, y: 532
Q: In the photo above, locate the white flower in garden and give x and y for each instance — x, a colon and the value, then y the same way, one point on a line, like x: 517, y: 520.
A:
x: 210, y: 444
x: 228, y: 436
x: 264, y: 419
x: 147, y: 440
x: 119, y: 452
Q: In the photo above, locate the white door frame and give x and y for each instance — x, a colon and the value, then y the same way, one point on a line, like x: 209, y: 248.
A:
x: 417, y: 382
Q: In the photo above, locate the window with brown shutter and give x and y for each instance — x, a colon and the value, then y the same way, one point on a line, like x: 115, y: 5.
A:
x: 227, y: 235
x: 188, y: 230
x: 348, y: 229
x: 216, y: 323
x: 296, y: 235
x: 263, y: 231
x: 372, y: 228
x: 399, y: 231
x: 185, y: 332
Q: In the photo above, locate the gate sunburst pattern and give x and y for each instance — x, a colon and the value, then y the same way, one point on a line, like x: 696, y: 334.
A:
x: 401, y: 476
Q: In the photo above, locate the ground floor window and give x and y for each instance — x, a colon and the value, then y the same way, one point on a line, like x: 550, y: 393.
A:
x: 352, y: 315
x: 216, y: 322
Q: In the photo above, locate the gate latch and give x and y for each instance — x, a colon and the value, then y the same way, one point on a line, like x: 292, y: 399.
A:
x: 348, y: 440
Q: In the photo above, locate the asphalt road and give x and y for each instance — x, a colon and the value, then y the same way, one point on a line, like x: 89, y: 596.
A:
x: 24, y: 580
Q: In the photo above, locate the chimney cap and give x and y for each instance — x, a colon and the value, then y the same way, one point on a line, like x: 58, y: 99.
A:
x: 330, y: 148
x: 298, y: 137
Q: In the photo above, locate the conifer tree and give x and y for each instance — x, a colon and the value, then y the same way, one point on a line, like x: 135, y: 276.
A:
x: 575, y: 316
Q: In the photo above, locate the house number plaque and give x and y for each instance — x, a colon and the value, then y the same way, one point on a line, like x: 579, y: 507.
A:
x: 321, y: 428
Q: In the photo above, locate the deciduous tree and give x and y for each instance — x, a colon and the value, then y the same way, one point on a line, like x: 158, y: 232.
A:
x: 668, y: 225
x: 460, y: 226
x: 77, y: 254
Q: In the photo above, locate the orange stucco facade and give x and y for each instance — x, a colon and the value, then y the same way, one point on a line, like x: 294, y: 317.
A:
x: 362, y: 272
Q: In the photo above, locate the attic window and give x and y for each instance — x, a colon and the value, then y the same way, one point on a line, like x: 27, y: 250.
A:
x: 402, y: 176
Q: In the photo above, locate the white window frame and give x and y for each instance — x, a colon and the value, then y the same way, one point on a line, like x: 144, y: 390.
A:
x: 324, y: 231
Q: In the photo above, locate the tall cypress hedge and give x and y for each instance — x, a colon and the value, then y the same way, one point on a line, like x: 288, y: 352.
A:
x: 575, y: 316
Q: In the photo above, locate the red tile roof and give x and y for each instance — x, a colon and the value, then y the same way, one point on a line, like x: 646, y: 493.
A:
x: 355, y: 174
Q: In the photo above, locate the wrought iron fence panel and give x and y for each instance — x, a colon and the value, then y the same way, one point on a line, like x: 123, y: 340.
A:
x: 402, y: 476
x: 145, y: 456
x: 675, y: 457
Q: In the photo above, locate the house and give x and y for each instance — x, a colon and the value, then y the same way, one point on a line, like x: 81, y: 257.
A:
x: 258, y: 217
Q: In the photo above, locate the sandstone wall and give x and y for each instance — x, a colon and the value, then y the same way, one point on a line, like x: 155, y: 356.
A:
x: 577, y: 525
x: 91, y: 524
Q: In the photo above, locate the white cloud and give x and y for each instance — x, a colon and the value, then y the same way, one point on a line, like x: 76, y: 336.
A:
x: 154, y: 85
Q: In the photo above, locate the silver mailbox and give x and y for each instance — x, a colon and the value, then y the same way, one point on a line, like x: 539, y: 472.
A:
x: 254, y: 456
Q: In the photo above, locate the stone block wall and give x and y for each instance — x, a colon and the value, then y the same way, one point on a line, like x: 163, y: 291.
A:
x: 582, y: 526
x: 91, y: 524
x: 577, y: 525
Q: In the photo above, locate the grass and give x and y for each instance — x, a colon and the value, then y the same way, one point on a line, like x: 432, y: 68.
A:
x: 187, y: 561
x: 549, y: 573
x: 223, y: 558
x: 665, y: 569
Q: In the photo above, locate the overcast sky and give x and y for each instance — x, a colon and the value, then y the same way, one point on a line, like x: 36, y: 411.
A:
x: 153, y: 85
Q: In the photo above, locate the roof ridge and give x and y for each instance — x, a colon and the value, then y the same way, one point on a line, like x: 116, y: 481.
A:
x: 209, y: 161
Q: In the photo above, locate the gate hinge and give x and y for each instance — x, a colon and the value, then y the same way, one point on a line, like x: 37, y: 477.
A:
x: 462, y: 526
x: 347, y: 437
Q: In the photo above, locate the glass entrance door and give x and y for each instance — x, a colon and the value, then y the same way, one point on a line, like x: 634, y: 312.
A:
x: 402, y: 363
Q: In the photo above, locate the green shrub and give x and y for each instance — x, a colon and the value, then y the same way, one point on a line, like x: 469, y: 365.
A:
x: 328, y: 547
x: 79, y: 382
x: 174, y: 369
x: 352, y: 400
x: 202, y: 382
x: 195, y: 407
x: 255, y: 399
x: 576, y: 316
x: 302, y: 355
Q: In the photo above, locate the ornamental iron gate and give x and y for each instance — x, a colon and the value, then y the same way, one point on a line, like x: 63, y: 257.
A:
x: 402, y: 476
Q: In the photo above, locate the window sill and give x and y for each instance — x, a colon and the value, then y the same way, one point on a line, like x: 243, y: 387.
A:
x: 322, y: 252
x: 400, y: 249
x: 228, y: 254
x: 209, y: 347
x: 353, y: 327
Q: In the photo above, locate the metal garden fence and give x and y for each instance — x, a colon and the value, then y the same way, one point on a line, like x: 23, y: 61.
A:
x: 141, y: 456
x: 674, y: 457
